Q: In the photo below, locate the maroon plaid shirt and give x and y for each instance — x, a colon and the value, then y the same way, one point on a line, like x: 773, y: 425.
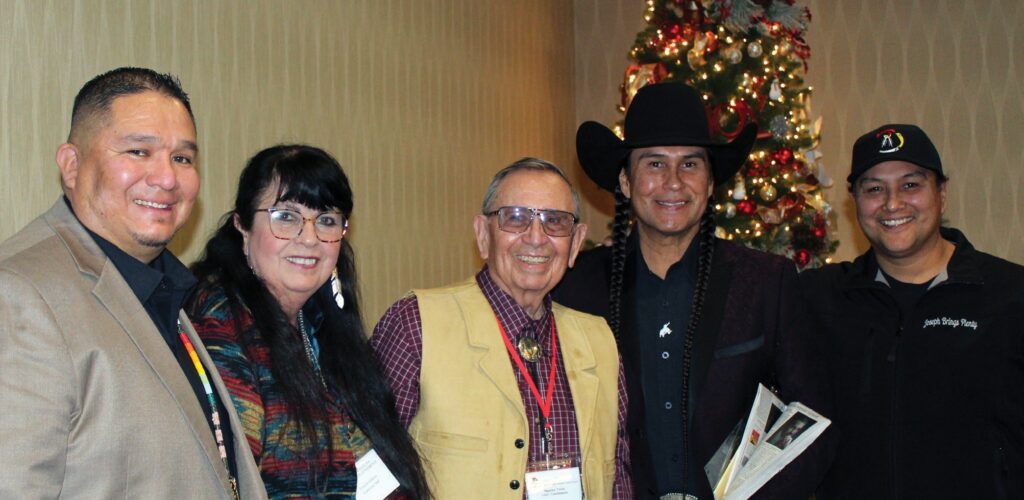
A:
x: 398, y: 342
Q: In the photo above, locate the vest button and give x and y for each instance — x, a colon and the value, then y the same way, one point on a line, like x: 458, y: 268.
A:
x: 520, y: 443
x: 514, y: 484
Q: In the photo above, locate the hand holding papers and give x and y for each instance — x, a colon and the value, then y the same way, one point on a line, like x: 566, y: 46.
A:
x: 773, y: 435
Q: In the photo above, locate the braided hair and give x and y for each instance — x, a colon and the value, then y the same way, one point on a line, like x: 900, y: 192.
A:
x: 620, y: 232
x: 706, y: 235
x: 707, y: 250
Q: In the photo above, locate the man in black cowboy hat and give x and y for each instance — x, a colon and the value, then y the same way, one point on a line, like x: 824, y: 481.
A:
x: 924, y: 340
x: 694, y: 315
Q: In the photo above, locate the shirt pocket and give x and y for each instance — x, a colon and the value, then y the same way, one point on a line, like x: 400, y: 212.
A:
x: 451, y: 442
x: 740, y: 348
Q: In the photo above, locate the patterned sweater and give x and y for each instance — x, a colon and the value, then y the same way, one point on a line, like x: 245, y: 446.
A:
x: 284, y: 461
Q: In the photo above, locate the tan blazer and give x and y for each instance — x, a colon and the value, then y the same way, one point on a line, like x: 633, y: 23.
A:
x: 92, y: 402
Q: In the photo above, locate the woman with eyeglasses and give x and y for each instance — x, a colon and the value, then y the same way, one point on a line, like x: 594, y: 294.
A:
x: 277, y: 307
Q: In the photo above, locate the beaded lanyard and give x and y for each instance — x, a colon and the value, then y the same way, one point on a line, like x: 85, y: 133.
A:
x: 214, y: 414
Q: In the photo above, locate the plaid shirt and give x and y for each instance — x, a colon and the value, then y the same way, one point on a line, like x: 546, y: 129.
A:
x: 398, y: 342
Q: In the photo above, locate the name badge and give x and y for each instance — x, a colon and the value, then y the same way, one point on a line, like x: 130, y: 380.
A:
x: 563, y: 484
x: 374, y: 480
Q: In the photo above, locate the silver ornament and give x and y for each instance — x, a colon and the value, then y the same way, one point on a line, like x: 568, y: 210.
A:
x: 754, y: 49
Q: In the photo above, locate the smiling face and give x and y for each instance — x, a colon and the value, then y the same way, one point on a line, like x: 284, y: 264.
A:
x: 292, y: 269
x: 668, y: 188
x: 899, y: 208
x: 132, y: 177
x: 528, y: 265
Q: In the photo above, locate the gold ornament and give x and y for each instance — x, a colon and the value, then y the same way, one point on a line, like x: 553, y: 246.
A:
x: 769, y: 215
x: 730, y: 210
x: 695, y: 58
x: 768, y: 192
x: 785, y: 47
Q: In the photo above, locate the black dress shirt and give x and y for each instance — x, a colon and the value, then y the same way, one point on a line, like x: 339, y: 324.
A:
x: 162, y: 287
x: 663, y: 309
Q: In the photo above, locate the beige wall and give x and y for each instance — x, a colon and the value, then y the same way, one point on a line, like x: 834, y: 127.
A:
x: 951, y: 66
x: 421, y: 102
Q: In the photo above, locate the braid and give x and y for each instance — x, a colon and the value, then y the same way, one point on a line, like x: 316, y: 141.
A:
x: 707, y: 248
x: 620, y: 228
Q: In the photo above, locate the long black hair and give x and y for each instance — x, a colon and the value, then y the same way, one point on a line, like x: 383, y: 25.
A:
x: 311, y: 177
x: 620, y: 233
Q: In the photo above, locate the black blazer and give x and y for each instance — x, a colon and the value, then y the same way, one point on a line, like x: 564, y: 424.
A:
x: 753, y: 329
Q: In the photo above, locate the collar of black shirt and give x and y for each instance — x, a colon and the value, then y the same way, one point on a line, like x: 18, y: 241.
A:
x: 685, y: 268
x: 143, y: 279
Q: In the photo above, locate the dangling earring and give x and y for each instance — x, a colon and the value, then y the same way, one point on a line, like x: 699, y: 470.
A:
x: 336, y: 288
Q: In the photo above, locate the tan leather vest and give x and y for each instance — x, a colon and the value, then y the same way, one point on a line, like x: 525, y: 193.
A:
x: 471, y: 412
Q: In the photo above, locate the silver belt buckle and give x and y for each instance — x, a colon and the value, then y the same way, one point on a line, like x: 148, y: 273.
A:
x: 678, y: 496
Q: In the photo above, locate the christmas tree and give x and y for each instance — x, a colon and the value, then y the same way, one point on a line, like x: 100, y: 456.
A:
x: 748, y: 59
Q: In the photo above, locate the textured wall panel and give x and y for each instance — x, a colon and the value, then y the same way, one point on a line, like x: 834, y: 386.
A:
x: 604, y: 31
x: 421, y: 102
x: 951, y: 66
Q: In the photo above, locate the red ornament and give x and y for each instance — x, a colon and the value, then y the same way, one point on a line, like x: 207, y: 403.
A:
x: 640, y: 75
x: 757, y: 168
x: 689, y: 33
x: 693, y: 14
x: 791, y: 205
x: 746, y: 207
x: 819, y: 220
x: 783, y: 156
x: 818, y: 232
x: 712, y: 42
x: 802, y: 257
x: 794, y: 167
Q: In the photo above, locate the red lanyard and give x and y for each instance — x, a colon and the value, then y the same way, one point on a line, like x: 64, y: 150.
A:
x: 544, y: 404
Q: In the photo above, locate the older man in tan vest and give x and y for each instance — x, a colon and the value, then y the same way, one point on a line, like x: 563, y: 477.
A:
x: 505, y: 392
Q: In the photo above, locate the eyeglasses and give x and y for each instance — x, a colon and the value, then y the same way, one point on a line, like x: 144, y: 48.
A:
x: 286, y: 224
x: 519, y: 219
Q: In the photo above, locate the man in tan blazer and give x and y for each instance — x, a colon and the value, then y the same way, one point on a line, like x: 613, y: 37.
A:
x: 105, y: 390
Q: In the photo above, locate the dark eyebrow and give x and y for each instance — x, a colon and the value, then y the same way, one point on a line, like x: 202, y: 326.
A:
x: 189, y: 145
x: 915, y: 174
x: 154, y: 140
x: 688, y: 156
x: 650, y: 154
x: 143, y: 138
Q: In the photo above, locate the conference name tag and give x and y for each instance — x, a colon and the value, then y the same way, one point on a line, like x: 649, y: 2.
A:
x: 374, y: 480
x: 561, y: 484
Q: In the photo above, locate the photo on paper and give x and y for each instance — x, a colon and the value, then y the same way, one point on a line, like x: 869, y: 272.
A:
x: 790, y: 430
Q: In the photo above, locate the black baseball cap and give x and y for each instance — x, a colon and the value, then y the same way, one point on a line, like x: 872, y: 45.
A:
x: 894, y: 142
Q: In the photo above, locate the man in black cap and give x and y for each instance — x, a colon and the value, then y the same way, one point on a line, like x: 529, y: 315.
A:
x: 699, y: 321
x: 925, y: 340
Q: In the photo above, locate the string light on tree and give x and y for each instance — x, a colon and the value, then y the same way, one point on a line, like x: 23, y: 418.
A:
x: 748, y: 59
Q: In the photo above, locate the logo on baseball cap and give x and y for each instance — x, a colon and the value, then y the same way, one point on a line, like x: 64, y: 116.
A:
x: 894, y: 142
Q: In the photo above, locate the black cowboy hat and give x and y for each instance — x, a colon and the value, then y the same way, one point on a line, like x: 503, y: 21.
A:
x: 661, y: 114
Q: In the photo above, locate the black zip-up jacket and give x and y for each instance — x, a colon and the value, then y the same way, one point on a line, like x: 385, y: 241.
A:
x: 930, y: 405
